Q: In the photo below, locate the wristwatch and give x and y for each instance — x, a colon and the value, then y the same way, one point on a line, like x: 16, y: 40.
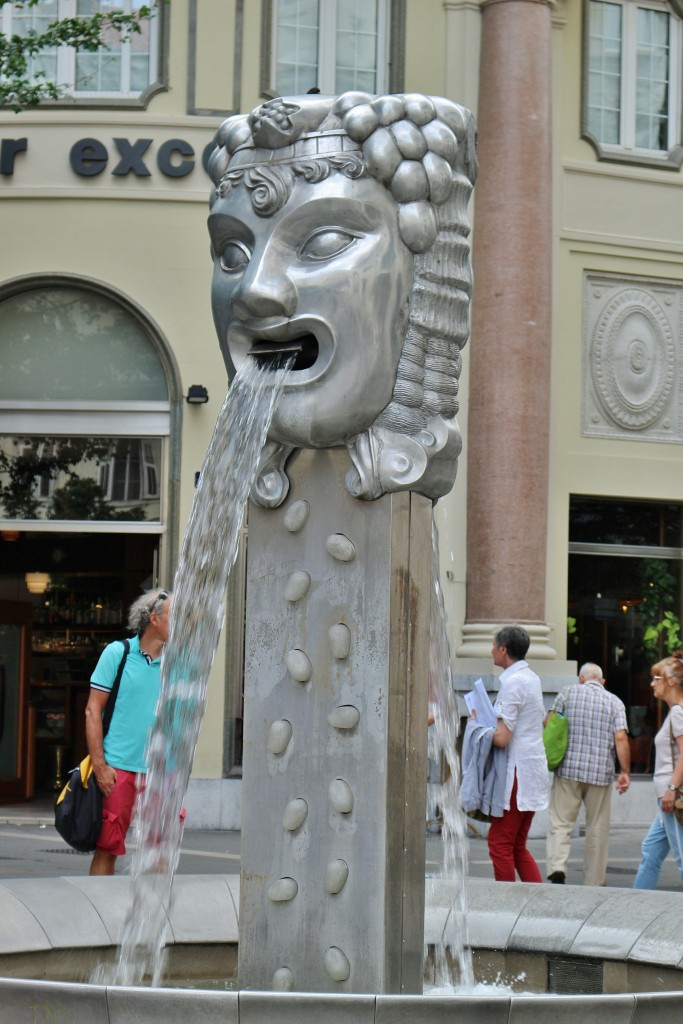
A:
x: 672, y: 788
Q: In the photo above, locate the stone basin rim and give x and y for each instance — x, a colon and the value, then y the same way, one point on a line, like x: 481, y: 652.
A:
x: 631, y: 931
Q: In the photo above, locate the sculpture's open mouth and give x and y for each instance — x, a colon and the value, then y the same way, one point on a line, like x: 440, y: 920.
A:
x: 272, y: 353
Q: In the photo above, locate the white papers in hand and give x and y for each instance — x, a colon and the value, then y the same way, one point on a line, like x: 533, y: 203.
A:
x: 477, y: 700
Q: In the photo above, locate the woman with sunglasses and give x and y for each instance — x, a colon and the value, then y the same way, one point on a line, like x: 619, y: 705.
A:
x: 666, y: 832
x: 118, y: 759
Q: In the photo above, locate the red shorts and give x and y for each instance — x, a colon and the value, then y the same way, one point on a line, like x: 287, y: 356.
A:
x: 117, y: 810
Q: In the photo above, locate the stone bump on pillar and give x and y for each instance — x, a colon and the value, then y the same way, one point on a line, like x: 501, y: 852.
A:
x: 507, y: 442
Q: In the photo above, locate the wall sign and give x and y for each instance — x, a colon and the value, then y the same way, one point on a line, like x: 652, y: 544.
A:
x: 88, y: 157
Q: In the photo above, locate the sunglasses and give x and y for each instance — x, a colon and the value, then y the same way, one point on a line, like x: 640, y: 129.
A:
x: 159, y: 599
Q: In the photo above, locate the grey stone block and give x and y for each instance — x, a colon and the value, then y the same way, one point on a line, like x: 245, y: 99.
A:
x: 297, y: 1007
x: 615, y: 925
x: 662, y: 941
x: 570, y: 1009
x: 111, y: 898
x: 440, y: 894
x: 202, y: 910
x: 195, y: 966
x: 438, y: 1009
x: 653, y: 978
x: 66, y: 916
x: 662, y: 1007
x: 615, y: 977
x: 172, y: 1006
x: 551, y: 919
x: 234, y: 887
x: 521, y: 972
x: 25, y: 1002
x: 20, y: 931
x: 491, y: 921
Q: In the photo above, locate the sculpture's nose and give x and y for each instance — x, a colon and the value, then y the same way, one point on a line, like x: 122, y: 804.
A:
x: 266, y: 290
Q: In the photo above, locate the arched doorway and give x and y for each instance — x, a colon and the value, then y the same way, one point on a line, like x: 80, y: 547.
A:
x: 89, y: 426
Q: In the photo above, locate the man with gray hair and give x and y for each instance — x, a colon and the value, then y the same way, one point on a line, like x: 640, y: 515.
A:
x: 597, y: 728
x: 119, y: 758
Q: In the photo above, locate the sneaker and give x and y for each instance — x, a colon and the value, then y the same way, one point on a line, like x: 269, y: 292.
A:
x: 557, y: 878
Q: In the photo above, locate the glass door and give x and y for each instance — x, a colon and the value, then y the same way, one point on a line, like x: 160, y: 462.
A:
x: 16, y: 768
x: 625, y: 607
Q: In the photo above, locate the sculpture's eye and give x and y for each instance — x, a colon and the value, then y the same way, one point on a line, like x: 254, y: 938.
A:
x: 235, y: 257
x: 325, y: 243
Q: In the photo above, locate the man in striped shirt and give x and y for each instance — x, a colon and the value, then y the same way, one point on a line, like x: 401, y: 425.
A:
x: 597, y: 729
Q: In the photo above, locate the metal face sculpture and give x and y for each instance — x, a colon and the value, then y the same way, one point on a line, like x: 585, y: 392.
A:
x: 339, y: 233
x: 328, y: 274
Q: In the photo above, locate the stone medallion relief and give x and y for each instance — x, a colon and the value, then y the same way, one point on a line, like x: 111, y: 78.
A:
x: 631, y: 346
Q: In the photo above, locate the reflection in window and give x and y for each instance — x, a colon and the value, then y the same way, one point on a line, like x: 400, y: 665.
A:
x: 80, y: 478
x: 613, y: 521
x: 122, y: 68
x: 624, y: 605
x: 633, y: 74
x: 21, y: 21
x: 334, y: 45
x: 70, y: 343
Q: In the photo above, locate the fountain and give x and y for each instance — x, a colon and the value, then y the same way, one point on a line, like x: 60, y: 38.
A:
x: 339, y: 232
x: 339, y: 235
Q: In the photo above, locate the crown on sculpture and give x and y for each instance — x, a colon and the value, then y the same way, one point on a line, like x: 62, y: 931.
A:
x: 411, y: 144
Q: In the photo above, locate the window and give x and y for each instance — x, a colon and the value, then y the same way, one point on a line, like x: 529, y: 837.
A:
x: 84, y: 412
x: 122, y: 69
x: 80, y: 478
x: 632, y: 78
x: 332, y: 45
x: 625, y: 601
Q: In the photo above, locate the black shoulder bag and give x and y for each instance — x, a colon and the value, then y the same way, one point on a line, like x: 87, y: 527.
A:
x: 78, y: 808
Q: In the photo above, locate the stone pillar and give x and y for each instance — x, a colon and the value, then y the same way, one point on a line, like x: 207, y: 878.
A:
x: 507, y: 443
x: 335, y: 740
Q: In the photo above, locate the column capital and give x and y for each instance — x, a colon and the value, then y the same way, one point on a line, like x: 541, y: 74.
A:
x: 460, y: 5
x: 477, y: 638
x: 492, y: 3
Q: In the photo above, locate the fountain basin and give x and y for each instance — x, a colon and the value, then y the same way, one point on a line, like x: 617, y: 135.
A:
x: 561, y: 950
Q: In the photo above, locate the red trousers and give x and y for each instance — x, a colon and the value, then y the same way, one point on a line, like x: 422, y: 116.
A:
x: 507, y: 844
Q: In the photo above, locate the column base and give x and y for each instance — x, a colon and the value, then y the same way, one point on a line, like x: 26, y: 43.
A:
x: 477, y: 638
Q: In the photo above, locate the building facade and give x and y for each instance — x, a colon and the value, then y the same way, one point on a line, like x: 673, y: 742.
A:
x: 566, y: 514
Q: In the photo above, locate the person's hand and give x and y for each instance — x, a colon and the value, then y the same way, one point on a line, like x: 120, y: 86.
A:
x: 623, y: 782
x: 668, y: 802
x: 105, y: 777
x: 473, y: 714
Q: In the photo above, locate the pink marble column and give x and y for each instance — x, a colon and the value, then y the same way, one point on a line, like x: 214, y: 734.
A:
x: 509, y: 352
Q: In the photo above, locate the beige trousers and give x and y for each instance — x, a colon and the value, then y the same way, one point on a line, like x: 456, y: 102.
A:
x: 566, y: 798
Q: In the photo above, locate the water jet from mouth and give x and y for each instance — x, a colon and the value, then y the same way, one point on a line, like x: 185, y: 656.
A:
x: 270, y: 354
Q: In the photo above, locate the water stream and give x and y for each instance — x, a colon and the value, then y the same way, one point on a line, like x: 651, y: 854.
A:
x: 453, y: 956
x: 208, y: 552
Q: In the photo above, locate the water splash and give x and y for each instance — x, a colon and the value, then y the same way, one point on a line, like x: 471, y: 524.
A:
x: 453, y: 951
x: 208, y: 553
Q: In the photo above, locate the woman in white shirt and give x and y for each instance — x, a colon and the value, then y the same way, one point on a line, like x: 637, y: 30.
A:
x: 666, y: 832
x: 520, y: 712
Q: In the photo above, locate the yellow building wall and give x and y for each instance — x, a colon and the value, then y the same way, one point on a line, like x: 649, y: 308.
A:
x: 608, y: 217
x: 147, y: 238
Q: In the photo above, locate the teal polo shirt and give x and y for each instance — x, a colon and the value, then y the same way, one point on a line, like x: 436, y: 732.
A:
x: 134, y: 713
